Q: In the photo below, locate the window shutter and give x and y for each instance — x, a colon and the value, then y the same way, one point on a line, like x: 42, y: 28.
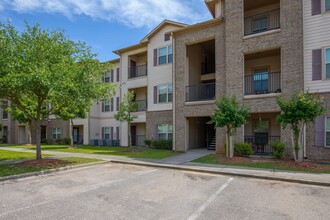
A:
x: 102, y: 106
x: 117, y: 75
x: 112, y: 76
x: 117, y: 104
x: 316, y: 7
x: 155, y: 57
x: 155, y: 94
x: 117, y: 132
x: 320, y: 131
x: 111, y: 104
x: 156, y: 132
x: 102, y: 133
x: 317, y: 64
x: 111, y: 133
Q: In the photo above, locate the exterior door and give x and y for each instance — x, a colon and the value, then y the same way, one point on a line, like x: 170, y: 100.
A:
x: 75, y: 135
x: 260, y: 80
x: 133, y: 70
x: 261, y: 131
x: 22, y: 135
x: 133, y: 135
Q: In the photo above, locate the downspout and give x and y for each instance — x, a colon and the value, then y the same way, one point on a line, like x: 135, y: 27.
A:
x: 174, y: 90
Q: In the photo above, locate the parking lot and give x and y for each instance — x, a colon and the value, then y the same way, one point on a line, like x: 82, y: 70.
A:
x: 116, y: 191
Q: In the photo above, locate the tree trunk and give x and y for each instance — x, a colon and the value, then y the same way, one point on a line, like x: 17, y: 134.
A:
x: 38, y: 139
x: 129, y: 135
x: 71, y: 132
x: 29, y: 133
x: 231, y: 146
x: 227, y: 144
x: 293, y: 147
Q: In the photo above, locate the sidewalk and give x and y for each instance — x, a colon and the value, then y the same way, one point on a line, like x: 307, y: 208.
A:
x: 182, y: 162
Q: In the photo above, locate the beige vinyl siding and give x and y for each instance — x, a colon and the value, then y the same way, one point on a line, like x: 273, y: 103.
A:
x: 316, y: 36
x: 160, y: 74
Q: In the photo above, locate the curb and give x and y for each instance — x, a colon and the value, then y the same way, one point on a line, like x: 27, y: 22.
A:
x: 221, y: 172
x: 43, y: 172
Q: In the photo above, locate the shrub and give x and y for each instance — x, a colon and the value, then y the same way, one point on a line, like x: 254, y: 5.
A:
x: 66, y: 140
x: 148, y: 142
x: 1, y: 140
x: 243, y: 149
x: 279, y: 149
x: 44, y: 141
x: 162, y: 144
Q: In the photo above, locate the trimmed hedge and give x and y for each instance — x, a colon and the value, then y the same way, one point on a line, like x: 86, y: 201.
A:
x: 243, y: 149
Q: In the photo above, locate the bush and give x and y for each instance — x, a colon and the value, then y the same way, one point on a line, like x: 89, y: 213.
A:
x: 243, y: 149
x: 279, y: 149
x: 44, y: 141
x: 162, y: 144
x: 66, y: 140
x: 148, y: 142
x: 1, y: 140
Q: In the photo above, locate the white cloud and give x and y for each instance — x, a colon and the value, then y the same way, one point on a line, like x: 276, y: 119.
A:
x: 133, y: 13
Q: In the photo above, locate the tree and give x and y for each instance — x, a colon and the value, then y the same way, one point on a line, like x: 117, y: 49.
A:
x: 296, y: 113
x: 126, y: 107
x: 40, y: 69
x: 229, y: 114
x: 19, y: 116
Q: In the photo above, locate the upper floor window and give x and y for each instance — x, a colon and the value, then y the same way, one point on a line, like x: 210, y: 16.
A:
x: 4, y: 112
x: 107, y: 76
x: 165, y: 93
x: 327, y: 5
x: 167, y: 37
x: 57, y: 133
x: 165, y: 55
x: 106, y: 133
x: 327, y: 63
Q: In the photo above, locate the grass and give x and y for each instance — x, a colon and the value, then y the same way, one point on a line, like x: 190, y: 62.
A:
x: 13, y: 169
x: 115, y: 151
x: 12, y: 155
x: 213, y: 159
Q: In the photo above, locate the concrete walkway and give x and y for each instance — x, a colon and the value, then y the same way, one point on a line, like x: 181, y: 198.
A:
x: 182, y: 162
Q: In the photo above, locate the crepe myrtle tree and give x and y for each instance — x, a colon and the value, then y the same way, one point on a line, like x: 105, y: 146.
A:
x: 126, y: 107
x: 39, y: 69
x: 296, y: 113
x: 229, y: 114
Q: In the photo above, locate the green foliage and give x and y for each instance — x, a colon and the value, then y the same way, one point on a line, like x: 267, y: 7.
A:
x: 44, y: 141
x: 230, y: 114
x: 279, y: 149
x: 243, y: 149
x: 162, y: 144
x: 64, y: 141
x: 148, y: 142
x: 126, y: 107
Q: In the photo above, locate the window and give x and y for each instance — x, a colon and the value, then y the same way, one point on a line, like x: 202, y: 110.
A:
x: 57, y: 133
x: 107, y: 77
x: 165, y: 93
x: 165, y: 55
x: 327, y: 63
x: 327, y: 132
x: 4, y: 112
x: 165, y: 132
x: 106, y: 133
x: 260, y: 80
x: 106, y: 106
x: 327, y: 5
x: 167, y: 37
x: 259, y: 25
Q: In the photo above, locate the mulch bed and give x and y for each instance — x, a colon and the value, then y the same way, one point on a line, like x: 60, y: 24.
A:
x: 43, y: 163
x: 286, y: 163
x: 131, y: 151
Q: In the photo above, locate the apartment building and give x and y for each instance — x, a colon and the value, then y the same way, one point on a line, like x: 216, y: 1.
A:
x: 317, y: 72
x: 250, y: 49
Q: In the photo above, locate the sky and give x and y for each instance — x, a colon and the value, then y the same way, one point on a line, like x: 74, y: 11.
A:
x: 105, y: 25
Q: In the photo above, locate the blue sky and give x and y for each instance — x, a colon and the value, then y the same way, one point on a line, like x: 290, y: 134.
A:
x: 105, y: 25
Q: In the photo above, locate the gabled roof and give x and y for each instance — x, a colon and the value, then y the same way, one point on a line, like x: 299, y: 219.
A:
x: 159, y: 27
x: 198, y: 26
x: 211, y: 6
x: 132, y: 47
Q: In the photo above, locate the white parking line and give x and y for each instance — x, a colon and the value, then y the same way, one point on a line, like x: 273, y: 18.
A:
x: 196, y: 214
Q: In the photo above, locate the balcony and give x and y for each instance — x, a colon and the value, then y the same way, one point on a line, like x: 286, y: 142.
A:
x: 141, y: 105
x: 137, y: 71
x: 263, y: 83
x: 200, y: 92
x: 262, y: 22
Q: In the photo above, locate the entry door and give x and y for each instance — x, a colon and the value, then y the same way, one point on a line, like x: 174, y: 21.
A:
x: 133, y: 70
x: 75, y: 135
x: 260, y: 80
x: 22, y: 135
x: 261, y: 131
x: 43, y: 132
x: 133, y: 135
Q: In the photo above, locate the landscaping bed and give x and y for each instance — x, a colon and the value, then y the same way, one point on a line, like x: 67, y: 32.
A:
x: 44, y: 164
x: 266, y: 163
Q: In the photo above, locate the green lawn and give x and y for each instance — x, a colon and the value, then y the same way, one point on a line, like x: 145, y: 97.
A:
x: 12, y: 169
x: 12, y: 155
x: 115, y: 151
x: 213, y: 159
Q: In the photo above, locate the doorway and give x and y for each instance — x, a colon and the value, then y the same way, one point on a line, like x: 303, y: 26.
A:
x: 22, y: 135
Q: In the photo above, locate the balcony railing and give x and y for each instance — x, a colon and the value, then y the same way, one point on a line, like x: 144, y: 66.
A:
x: 263, y: 83
x: 262, y: 22
x: 141, y: 105
x: 260, y: 143
x: 208, y: 67
x: 200, y: 92
x: 137, y: 71
x: 104, y: 142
